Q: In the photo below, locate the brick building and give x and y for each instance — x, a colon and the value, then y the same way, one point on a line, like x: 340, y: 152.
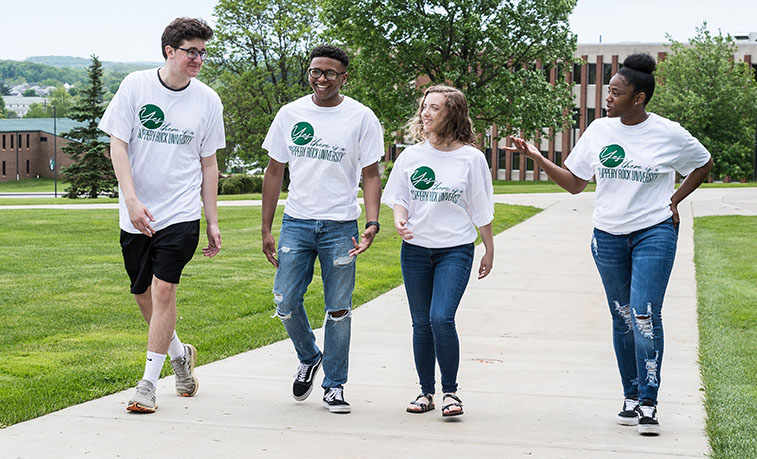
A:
x: 26, y: 147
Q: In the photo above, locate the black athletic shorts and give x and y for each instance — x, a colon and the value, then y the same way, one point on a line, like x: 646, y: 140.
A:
x: 164, y: 254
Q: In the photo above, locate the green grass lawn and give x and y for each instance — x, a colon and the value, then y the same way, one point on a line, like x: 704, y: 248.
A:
x: 726, y: 267
x: 70, y: 331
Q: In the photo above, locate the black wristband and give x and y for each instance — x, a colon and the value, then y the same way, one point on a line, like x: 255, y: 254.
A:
x: 373, y: 223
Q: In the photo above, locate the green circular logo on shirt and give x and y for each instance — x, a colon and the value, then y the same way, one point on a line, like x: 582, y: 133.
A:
x: 612, y: 155
x: 151, y: 116
x: 423, y: 178
x: 302, y: 133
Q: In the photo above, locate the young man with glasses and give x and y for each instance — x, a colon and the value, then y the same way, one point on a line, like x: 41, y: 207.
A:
x: 165, y: 127
x: 328, y: 139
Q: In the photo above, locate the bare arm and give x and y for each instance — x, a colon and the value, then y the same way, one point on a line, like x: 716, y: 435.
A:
x: 690, y: 184
x: 487, y: 261
x: 139, y: 215
x: 400, y: 222
x: 209, y: 193
x: 563, y: 177
x: 372, y: 201
x: 272, y: 180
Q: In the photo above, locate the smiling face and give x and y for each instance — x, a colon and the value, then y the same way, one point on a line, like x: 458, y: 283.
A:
x: 325, y: 92
x: 622, y: 99
x: 180, y: 62
x: 433, y: 111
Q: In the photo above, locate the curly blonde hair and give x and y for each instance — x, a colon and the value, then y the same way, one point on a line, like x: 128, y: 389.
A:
x: 457, y: 124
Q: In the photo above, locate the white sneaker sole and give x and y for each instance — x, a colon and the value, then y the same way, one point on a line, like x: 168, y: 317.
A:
x: 649, y: 429
x: 337, y: 408
x: 624, y: 421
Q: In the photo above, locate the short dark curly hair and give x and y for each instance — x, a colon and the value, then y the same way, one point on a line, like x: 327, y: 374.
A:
x: 331, y: 52
x: 181, y: 29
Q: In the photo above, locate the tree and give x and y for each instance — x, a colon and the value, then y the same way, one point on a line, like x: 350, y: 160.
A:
x: 4, y: 89
x: 2, y: 108
x: 714, y: 97
x: 30, y: 93
x: 91, y: 172
x: 37, y: 110
x: 259, y: 58
x: 62, y: 101
x: 489, y: 49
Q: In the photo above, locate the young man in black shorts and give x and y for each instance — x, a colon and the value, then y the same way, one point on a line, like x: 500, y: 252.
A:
x: 165, y: 127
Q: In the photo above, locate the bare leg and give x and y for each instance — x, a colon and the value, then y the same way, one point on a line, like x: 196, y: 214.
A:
x: 163, y: 316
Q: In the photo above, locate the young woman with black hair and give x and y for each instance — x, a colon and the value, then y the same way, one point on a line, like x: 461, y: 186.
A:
x: 634, y: 156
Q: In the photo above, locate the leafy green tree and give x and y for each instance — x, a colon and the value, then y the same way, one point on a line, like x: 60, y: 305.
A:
x: 486, y: 48
x: 713, y: 97
x: 4, y: 89
x: 91, y: 173
x: 62, y: 101
x: 259, y: 57
x: 29, y: 93
x: 38, y: 111
x: 2, y: 108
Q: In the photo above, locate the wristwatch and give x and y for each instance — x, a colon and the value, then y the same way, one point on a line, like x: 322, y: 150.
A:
x: 373, y: 223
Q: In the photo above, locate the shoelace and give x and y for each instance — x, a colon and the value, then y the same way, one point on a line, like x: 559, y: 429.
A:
x: 333, y: 394
x: 182, y: 371
x: 302, y: 372
x: 648, y: 411
x: 143, y: 390
x: 630, y: 404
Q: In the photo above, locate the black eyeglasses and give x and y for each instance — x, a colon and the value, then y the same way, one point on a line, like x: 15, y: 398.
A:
x: 330, y: 74
x: 192, y: 53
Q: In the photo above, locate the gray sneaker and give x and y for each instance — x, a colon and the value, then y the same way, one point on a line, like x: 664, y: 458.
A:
x: 184, y: 369
x: 144, y: 399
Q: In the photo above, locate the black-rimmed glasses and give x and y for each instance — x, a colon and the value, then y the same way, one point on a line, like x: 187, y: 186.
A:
x: 330, y: 74
x: 193, y: 53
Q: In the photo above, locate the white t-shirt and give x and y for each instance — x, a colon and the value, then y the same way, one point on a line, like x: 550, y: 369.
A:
x: 447, y: 194
x: 168, y: 132
x: 326, y: 148
x: 635, y: 169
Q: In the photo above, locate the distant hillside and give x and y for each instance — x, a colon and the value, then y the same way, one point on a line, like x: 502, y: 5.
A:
x: 80, y: 62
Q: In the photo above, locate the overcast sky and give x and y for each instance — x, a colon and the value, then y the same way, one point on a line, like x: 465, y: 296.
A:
x: 129, y: 30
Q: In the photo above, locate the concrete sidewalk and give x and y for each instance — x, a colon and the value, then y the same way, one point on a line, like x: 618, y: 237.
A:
x: 537, y: 375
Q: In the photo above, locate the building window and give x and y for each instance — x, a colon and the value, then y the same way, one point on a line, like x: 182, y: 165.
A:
x: 592, y: 74
x: 754, y: 70
x: 27, y: 142
x: 558, y: 157
x: 43, y: 139
x: 576, y: 118
x: 12, y: 137
x: 27, y: 167
x: 590, y: 116
x: 577, y: 74
x: 3, y: 165
x: 606, y: 73
x: 3, y: 141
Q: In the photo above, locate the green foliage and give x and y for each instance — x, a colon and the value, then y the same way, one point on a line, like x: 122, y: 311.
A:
x: 241, y: 184
x: 91, y: 173
x: 2, y: 108
x: 37, y: 110
x: 713, y: 97
x: 62, y: 101
x: 29, y: 93
x: 4, y: 89
x: 727, y: 297
x: 486, y: 48
x: 259, y: 56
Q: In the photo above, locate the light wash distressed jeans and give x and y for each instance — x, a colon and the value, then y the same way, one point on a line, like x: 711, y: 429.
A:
x: 635, y: 269
x: 435, y: 280
x: 300, y: 242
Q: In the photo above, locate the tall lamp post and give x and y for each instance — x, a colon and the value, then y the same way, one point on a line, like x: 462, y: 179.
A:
x: 55, y: 149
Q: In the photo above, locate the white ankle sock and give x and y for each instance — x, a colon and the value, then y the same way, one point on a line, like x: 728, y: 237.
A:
x: 153, y: 365
x: 176, y: 348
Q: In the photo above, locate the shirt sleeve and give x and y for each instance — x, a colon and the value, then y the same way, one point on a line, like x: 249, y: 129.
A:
x: 214, y: 137
x: 579, y: 161
x: 693, y: 154
x: 371, y: 140
x: 396, y: 190
x: 118, y: 119
x: 274, y: 140
x: 480, y: 200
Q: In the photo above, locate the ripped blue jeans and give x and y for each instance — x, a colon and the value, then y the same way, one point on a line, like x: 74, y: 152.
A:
x: 300, y: 242
x: 635, y: 269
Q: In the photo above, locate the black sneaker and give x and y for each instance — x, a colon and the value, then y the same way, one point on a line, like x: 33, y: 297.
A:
x: 628, y: 416
x: 648, y: 424
x: 333, y: 400
x: 303, y: 379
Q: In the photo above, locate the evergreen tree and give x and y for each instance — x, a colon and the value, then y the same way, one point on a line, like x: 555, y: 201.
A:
x: 91, y: 173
